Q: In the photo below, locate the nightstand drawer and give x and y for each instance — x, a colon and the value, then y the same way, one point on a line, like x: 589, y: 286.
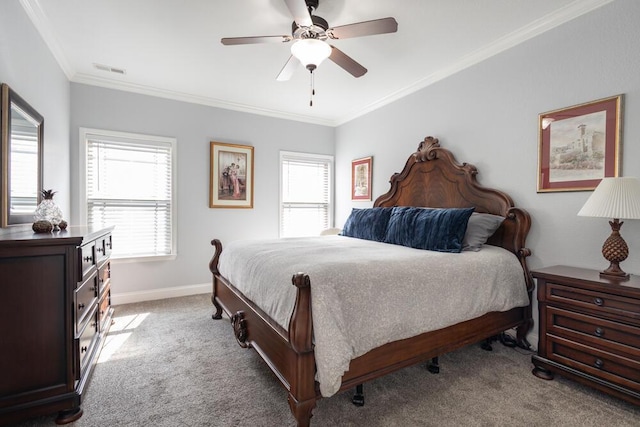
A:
x: 604, y: 334
x: 608, y: 366
x: 597, y: 301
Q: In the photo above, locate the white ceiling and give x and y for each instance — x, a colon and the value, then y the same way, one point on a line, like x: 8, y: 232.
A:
x: 172, y: 49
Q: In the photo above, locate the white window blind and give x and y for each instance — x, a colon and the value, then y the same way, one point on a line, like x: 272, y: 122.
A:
x: 24, y: 166
x: 129, y: 184
x: 305, y: 199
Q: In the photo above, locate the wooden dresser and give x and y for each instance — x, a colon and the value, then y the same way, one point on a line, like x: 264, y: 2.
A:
x: 589, y: 330
x: 55, y: 310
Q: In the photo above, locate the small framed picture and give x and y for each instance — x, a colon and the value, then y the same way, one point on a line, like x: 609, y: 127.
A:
x: 361, y: 179
x: 579, y: 145
x: 231, y: 176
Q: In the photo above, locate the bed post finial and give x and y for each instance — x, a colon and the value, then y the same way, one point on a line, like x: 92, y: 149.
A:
x: 426, y: 149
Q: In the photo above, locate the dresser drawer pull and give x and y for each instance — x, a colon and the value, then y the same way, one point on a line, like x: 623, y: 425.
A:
x: 80, y: 306
x: 599, y: 364
x: 100, y: 250
x: 598, y: 301
x: 83, y: 349
x: 88, y: 259
x: 599, y: 332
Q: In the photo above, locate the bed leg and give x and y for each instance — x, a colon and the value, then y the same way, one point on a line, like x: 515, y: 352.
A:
x: 218, y: 314
x: 486, y: 344
x: 521, y: 334
x: 433, y: 366
x: 302, y: 411
x: 358, y: 398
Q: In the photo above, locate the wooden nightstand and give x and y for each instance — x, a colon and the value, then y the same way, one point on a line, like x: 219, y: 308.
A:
x: 589, y: 330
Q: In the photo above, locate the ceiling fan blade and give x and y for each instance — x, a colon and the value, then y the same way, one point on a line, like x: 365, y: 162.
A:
x: 300, y: 12
x: 346, y: 62
x: 288, y: 69
x: 229, y: 41
x: 366, y: 28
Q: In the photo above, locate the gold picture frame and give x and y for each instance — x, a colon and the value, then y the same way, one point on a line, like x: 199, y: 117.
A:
x: 579, y: 145
x: 361, y: 179
x: 231, y: 176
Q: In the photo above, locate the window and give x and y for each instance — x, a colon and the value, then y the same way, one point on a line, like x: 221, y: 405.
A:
x: 305, y: 194
x: 129, y: 182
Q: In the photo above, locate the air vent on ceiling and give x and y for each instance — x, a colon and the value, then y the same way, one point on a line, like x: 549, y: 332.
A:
x: 110, y: 69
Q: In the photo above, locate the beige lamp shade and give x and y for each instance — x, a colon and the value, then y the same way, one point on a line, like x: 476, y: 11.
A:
x: 614, y: 198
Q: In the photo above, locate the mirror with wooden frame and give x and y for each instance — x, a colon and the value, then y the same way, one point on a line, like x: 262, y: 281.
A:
x: 20, y: 159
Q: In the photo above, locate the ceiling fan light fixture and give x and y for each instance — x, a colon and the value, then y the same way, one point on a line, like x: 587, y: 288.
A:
x: 311, y: 52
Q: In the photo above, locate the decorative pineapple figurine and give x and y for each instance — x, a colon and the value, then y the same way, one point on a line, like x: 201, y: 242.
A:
x: 47, y: 210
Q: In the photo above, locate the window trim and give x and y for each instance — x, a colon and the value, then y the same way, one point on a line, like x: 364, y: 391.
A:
x: 86, y: 133
x: 306, y: 156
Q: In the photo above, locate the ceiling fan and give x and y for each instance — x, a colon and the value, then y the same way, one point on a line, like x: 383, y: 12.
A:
x: 310, y: 34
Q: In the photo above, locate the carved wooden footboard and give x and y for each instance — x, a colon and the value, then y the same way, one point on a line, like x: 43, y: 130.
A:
x: 430, y: 178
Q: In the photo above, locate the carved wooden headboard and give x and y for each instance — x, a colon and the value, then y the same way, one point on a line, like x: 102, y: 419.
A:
x: 433, y: 178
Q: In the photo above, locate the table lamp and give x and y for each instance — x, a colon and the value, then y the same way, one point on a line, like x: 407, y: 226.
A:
x: 617, y: 198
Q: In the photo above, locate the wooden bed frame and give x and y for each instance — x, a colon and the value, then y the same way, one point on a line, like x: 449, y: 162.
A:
x: 431, y: 178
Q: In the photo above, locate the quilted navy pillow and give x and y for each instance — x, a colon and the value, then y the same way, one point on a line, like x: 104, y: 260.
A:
x: 433, y: 229
x: 369, y: 224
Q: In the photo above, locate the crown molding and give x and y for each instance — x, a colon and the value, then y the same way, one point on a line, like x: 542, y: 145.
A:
x: 41, y: 23
x: 194, y: 99
x: 535, y: 28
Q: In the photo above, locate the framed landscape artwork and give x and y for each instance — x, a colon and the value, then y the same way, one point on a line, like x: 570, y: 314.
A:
x: 579, y: 145
x: 361, y: 179
x: 231, y: 176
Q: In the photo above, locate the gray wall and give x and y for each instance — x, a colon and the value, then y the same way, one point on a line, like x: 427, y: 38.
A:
x: 29, y: 68
x: 194, y: 126
x: 488, y: 116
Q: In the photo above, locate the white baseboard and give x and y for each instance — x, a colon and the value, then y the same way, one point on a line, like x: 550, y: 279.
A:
x: 155, y: 294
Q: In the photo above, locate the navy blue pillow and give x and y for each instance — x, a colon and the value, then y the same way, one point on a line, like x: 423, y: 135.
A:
x: 369, y: 224
x: 433, y: 229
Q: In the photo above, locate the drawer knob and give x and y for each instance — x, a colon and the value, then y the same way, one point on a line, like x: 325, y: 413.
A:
x: 598, y: 301
x: 88, y: 259
x: 83, y: 349
x: 80, y: 306
x: 599, y: 363
x: 100, y: 250
x: 599, y: 332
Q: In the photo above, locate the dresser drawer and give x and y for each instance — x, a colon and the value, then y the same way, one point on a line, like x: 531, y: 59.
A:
x: 601, y: 364
x: 87, y: 340
x: 600, y: 302
x: 104, y: 277
x: 85, y: 299
x: 604, y: 334
x: 104, y: 308
x: 103, y: 248
x: 87, y: 260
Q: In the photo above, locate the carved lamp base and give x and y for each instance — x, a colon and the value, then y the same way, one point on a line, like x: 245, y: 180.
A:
x: 615, y: 250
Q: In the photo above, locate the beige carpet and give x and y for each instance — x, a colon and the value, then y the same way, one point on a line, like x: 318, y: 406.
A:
x: 168, y: 363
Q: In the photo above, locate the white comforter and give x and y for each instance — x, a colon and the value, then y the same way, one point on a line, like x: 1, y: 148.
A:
x: 365, y: 294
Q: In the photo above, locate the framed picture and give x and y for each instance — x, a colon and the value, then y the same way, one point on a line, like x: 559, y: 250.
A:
x: 579, y: 145
x: 231, y: 176
x: 361, y: 179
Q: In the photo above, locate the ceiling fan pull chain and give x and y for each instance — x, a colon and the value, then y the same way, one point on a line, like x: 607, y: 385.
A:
x: 313, y: 90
